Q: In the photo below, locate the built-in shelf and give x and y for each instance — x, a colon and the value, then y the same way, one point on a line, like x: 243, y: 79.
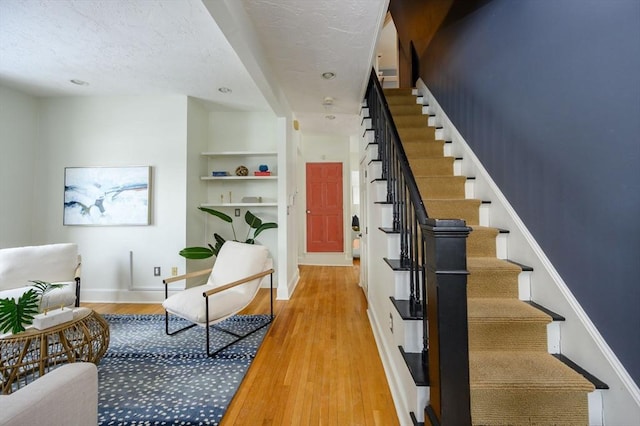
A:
x: 239, y: 186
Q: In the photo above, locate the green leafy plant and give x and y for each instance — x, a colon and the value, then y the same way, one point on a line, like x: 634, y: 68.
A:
x: 255, y: 224
x: 14, y: 316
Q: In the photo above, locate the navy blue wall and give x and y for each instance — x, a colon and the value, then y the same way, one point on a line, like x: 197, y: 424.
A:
x: 547, y: 93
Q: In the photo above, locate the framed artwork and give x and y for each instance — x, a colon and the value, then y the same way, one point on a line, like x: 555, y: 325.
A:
x: 107, y: 196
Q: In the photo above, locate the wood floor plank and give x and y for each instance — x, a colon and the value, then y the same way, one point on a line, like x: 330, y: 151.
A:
x: 318, y: 363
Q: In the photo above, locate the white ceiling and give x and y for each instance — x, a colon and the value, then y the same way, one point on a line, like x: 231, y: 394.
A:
x: 271, y: 53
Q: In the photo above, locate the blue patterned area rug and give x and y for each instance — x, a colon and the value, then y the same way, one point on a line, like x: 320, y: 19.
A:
x: 149, y: 378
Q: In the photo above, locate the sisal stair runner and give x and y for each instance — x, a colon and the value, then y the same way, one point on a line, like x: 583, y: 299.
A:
x: 513, y: 378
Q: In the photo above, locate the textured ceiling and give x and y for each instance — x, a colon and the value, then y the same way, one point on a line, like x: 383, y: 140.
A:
x: 140, y: 47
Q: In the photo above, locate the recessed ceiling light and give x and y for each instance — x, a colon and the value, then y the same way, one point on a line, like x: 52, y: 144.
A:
x: 327, y: 101
x: 79, y: 82
x: 224, y: 90
x: 330, y: 117
x: 328, y: 75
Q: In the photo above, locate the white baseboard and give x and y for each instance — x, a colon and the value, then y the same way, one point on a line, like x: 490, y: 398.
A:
x: 122, y: 296
x: 397, y: 393
x: 325, y: 259
x: 291, y: 287
x: 581, y: 340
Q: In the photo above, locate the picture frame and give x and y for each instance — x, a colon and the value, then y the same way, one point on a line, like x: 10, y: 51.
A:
x: 107, y: 196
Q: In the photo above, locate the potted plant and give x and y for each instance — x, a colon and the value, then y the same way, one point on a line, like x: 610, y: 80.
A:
x: 15, y: 315
x: 255, y: 224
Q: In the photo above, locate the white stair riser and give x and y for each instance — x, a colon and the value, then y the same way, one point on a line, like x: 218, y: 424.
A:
x: 553, y: 337
x: 501, y: 246
x: 524, y: 285
x: 401, y: 285
x: 413, y: 335
x: 371, y: 147
x: 484, y: 215
x: 393, y: 246
x: 408, y: 333
x: 469, y: 188
x: 375, y: 172
x: 386, y: 215
x: 596, y: 408
x: 448, y: 148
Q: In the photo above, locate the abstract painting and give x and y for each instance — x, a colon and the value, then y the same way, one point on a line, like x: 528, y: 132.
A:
x: 107, y: 196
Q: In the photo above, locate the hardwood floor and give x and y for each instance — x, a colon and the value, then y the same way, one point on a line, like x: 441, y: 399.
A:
x: 318, y: 363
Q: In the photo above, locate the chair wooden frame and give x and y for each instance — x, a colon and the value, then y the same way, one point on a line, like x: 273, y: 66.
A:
x: 206, y: 296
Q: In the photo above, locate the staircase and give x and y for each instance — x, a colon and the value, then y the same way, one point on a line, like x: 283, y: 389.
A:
x: 514, y: 379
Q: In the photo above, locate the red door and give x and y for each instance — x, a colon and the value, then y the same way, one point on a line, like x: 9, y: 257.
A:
x: 324, y: 207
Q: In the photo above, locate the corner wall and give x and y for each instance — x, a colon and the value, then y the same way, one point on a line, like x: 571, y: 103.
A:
x: 18, y: 139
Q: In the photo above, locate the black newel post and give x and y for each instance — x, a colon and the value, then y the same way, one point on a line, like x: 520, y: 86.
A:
x: 447, y: 328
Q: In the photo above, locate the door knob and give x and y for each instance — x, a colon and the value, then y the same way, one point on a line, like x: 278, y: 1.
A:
x: 308, y: 211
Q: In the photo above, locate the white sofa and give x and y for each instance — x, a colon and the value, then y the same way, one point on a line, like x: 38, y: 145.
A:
x: 66, y: 396
x: 55, y: 263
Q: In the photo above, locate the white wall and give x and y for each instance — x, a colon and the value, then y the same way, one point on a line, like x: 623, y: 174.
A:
x: 290, y: 189
x: 387, y: 48
x: 197, y: 142
x: 317, y: 148
x: 116, y: 131
x: 18, y: 138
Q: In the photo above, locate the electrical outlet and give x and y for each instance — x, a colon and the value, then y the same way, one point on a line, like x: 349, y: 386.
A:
x: 156, y: 271
x: 174, y: 271
x: 391, y: 322
x: 237, y: 212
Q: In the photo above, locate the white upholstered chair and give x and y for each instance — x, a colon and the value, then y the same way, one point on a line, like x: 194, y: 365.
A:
x: 233, y: 283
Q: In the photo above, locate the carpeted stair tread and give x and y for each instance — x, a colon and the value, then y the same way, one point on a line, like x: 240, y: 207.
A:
x: 506, y: 324
x: 411, y: 121
x: 434, y: 166
x: 482, y: 241
x: 526, y: 388
x: 423, y: 149
x: 401, y: 100
x: 492, y: 277
x: 417, y: 134
x: 466, y: 209
x: 441, y: 187
x: 492, y: 283
x: 521, y: 407
x: 527, y: 370
x: 398, y: 91
x: 413, y: 109
x: 475, y: 263
x: 502, y: 309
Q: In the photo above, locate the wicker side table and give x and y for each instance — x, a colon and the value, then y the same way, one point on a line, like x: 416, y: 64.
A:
x: 28, y: 355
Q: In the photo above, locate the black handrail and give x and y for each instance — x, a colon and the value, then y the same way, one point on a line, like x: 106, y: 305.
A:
x: 434, y: 253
